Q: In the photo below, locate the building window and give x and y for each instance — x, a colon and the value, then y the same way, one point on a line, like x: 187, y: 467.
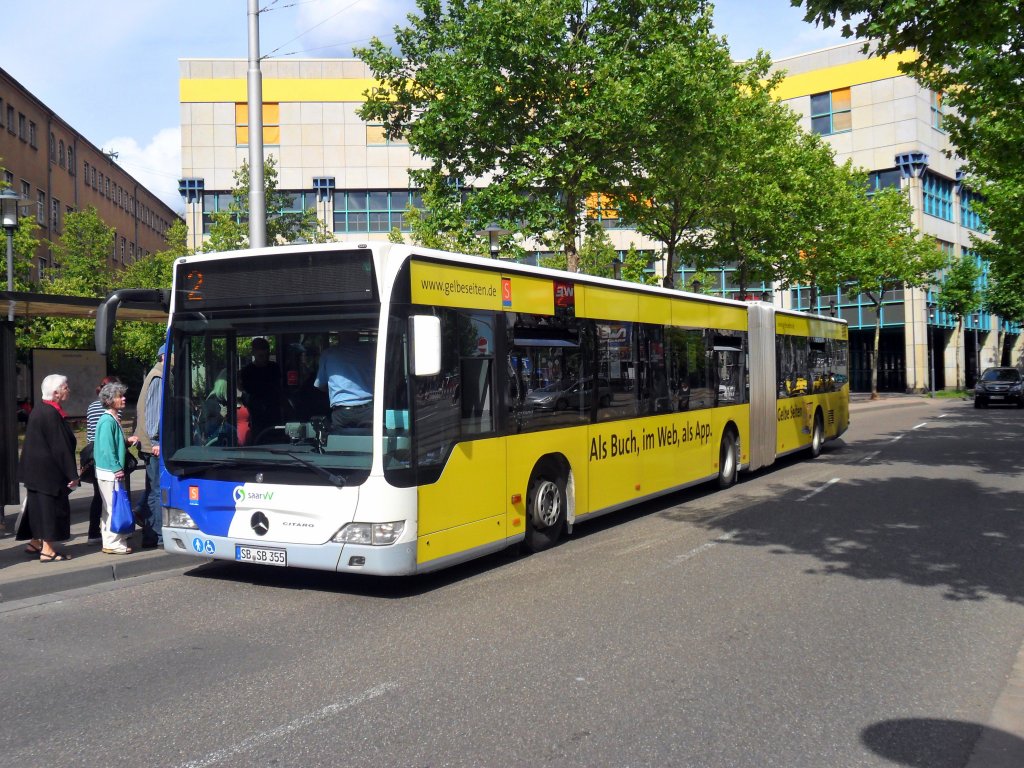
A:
x: 376, y: 137
x: 602, y: 208
x: 85, y: 171
x: 54, y: 214
x: 41, y: 208
x: 71, y: 160
x: 53, y: 148
x: 94, y: 177
x: 968, y: 215
x: 124, y: 249
x: 33, y: 141
x: 106, y: 186
x: 131, y: 252
x: 60, y: 153
x: 26, y: 190
x: 830, y: 112
x: 22, y: 127
x: 1, y: 113
x: 10, y: 119
x: 324, y: 186
x: 938, y: 196
x: 271, y: 124
x: 8, y: 178
x: 937, y: 111
x: 375, y: 210
x: 879, y: 180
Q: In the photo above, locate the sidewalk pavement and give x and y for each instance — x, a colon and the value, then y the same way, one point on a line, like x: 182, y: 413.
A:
x: 22, y: 576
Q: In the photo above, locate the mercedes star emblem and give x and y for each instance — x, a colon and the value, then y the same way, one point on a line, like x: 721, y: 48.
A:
x: 259, y: 523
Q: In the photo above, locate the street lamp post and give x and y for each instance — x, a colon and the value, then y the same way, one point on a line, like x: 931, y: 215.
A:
x: 10, y: 205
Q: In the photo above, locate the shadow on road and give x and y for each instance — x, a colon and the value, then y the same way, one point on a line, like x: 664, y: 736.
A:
x: 931, y: 743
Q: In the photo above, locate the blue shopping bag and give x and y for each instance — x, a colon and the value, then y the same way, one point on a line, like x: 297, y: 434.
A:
x: 122, y: 520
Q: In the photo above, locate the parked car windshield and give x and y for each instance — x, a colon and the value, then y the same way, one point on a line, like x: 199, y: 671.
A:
x: 1001, y: 374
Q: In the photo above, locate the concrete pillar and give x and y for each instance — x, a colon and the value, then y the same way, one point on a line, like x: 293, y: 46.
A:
x: 915, y: 338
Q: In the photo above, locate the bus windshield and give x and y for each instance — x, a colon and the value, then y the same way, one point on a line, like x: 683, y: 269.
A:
x: 255, y: 394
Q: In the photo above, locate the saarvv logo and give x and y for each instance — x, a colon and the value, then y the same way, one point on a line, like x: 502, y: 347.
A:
x: 240, y: 495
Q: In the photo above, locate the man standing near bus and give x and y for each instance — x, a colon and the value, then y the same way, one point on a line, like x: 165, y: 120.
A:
x: 147, y: 430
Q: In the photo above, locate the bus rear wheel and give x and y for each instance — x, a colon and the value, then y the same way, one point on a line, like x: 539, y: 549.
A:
x: 545, y: 511
x: 817, y: 436
x: 728, y: 464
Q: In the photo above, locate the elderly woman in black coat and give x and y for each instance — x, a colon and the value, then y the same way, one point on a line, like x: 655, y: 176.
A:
x: 49, y: 471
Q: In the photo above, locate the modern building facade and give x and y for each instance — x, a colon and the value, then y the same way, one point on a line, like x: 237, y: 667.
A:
x: 357, y: 180
x: 887, y: 124
x: 50, y: 163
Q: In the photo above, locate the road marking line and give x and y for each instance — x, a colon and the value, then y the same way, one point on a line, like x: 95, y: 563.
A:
x: 922, y: 424
x: 704, y: 547
x: 303, y: 722
x: 943, y: 415
x: 870, y: 456
x: 819, y: 489
x: 896, y: 439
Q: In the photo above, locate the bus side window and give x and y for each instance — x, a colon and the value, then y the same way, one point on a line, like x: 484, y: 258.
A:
x: 476, y: 365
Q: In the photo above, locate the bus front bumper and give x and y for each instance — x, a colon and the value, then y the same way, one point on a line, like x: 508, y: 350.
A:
x: 391, y: 560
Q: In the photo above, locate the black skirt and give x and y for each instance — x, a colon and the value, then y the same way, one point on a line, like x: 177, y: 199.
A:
x: 49, y: 517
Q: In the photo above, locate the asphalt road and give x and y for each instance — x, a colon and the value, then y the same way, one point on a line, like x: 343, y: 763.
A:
x: 862, y: 609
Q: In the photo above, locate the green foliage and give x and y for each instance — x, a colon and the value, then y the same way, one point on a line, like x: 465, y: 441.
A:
x: 229, y: 230
x: 23, y: 249
x: 959, y: 294
x: 888, y: 255
x: 82, y: 255
x: 533, y: 96
x: 971, y: 53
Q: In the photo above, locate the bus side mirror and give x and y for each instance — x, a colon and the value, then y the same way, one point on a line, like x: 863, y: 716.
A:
x: 426, y: 345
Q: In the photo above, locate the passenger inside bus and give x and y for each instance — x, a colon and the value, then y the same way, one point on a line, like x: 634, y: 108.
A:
x: 262, y: 391
x: 346, y: 374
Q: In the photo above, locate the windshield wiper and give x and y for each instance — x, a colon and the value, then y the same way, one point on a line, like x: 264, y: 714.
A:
x: 338, y: 481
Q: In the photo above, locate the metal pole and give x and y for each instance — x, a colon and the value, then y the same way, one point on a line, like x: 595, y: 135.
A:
x: 257, y: 194
x: 10, y: 272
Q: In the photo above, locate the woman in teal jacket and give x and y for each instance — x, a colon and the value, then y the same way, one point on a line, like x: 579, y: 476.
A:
x: 109, y: 452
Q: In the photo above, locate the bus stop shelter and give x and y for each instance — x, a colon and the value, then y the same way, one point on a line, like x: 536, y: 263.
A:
x: 32, y: 305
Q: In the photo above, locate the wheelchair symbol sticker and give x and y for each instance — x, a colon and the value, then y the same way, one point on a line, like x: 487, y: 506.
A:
x: 201, y: 546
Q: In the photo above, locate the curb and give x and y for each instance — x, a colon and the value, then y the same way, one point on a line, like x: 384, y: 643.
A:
x: 101, y: 573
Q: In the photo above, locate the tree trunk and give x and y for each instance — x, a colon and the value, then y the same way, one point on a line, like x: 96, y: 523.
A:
x: 960, y: 335
x: 874, y: 351
x: 670, y: 260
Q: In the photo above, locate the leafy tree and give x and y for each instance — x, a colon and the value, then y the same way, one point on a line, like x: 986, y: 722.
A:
x: 751, y: 221
x: 229, y: 230
x: 532, y: 97
x: 634, y: 267
x: 826, y: 199
x: 971, y: 52
x: 959, y: 294
x: 23, y: 249
x: 135, y: 343
x: 82, y: 255
x: 888, y: 256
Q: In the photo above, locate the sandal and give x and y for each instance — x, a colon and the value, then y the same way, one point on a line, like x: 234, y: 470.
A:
x: 32, y: 549
x: 56, y: 557
x: 125, y: 551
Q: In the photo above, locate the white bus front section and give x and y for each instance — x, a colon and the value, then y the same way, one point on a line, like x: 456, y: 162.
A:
x: 350, y: 530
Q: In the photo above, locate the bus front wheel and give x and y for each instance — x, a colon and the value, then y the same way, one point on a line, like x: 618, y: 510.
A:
x: 546, y: 506
x: 728, y: 463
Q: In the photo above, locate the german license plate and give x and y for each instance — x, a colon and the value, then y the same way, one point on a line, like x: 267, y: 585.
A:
x: 261, y: 555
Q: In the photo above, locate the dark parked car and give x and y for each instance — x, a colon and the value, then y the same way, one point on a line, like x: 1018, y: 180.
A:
x: 999, y: 385
x: 561, y: 396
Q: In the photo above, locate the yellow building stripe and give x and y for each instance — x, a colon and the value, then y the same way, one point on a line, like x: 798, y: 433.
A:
x: 202, y: 90
x: 842, y: 76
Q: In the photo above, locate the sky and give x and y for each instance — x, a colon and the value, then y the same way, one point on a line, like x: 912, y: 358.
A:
x: 109, y: 68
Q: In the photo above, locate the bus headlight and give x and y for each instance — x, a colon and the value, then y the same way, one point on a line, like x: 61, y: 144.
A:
x: 178, y: 518
x: 374, y: 534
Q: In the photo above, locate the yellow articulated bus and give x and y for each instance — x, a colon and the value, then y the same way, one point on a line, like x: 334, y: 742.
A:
x: 388, y: 409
